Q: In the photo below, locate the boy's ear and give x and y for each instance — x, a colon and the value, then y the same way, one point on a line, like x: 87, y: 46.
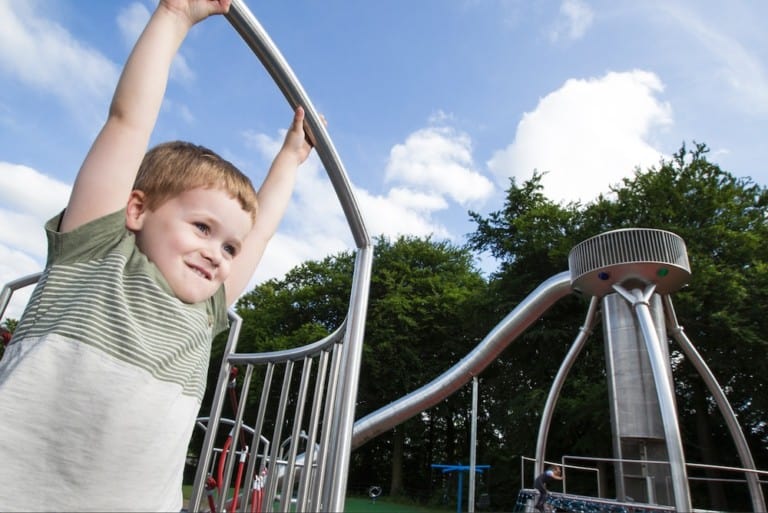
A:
x: 135, y: 210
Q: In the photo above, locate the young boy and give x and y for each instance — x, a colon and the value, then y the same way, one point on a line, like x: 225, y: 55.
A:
x: 102, y: 381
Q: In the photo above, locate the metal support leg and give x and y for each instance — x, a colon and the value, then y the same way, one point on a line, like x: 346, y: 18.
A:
x: 753, y: 479
x: 659, y: 365
x: 554, y: 392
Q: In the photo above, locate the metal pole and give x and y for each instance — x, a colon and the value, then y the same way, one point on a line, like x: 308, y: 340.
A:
x: 473, y: 450
x: 557, y: 385
x: 753, y: 480
x: 640, y: 304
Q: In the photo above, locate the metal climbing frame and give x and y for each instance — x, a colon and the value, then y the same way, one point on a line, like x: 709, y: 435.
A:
x: 303, y: 466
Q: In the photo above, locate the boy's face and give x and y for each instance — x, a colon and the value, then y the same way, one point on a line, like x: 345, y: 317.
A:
x: 191, y: 238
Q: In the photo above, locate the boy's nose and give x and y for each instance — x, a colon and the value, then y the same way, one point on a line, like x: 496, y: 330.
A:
x: 211, y: 254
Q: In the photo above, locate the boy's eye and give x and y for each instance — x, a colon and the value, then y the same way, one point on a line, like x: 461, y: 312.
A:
x: 229, y: 248
x: 202, y: 227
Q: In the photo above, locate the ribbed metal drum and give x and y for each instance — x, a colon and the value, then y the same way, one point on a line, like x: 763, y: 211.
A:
x: 633, y: 257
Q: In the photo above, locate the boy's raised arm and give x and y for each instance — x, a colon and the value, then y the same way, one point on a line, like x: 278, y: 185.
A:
x: 273, y: 195
x: 106, y: 176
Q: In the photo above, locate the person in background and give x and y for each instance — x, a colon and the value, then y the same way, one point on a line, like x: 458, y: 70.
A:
x: 553, y: 473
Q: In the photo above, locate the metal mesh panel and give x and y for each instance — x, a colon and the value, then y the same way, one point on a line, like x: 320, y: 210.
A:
x: 639, y: 255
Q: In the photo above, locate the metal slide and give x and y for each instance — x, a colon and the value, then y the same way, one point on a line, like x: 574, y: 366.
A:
x: 516, y: 322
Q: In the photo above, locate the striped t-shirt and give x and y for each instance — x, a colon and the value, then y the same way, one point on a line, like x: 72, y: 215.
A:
x: 102, y: 381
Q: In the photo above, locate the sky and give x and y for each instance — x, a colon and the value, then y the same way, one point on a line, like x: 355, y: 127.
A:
x: 432, y: 105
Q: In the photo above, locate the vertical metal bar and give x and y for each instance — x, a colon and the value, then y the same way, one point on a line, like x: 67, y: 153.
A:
x: 274, y: 466
x: 298, y: 418
x: 236, y: 433
x: 324, y: 455
x: 257, y: 429
x: 613, y: 410
x: 216, y: 407
x: 305, y: 484
x: 472, y: 450
x: 557, y: 385
x: 348, y: 393
x: 639, y: 301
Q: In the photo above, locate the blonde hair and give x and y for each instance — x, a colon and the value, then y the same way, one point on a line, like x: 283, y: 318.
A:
x: 172, y: 168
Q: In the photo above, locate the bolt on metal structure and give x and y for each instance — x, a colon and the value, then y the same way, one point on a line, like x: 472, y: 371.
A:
x: 629, y: 275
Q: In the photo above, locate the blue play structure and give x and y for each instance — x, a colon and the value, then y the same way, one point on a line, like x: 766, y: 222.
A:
x: 460, y: 484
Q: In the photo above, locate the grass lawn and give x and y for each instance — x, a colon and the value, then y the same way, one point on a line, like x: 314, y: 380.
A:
x: 383, y: 505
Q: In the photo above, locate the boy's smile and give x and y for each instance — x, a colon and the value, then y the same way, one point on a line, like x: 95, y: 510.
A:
x: 192, y: 238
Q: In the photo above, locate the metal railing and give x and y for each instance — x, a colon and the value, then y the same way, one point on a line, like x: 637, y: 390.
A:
x: 599, y: 495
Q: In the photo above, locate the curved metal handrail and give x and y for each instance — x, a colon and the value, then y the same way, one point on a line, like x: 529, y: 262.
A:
x: 293, y: 354
x: 265, y: 49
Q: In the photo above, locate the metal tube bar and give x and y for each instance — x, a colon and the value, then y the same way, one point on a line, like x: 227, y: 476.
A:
x: 745, y: 455
x: 258, y: 427
x: 274, y: 468
x: 246, y: 24
x: 233, y: 452
x: 216, y: 407
x: 557, y: 385
x: 298, y: 418
x: 659, y: 365
x: 294, y: 354
x: 11, y: 286
x: 305, y: 483
x: 257, y: 39
x: 472, y: 450
x: 348, y: 394
x: 319, y: 487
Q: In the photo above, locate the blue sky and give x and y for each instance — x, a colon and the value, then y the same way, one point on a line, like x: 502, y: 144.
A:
x: 432, y: 104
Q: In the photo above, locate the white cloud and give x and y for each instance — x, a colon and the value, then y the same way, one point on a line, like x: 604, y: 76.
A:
x: 14, y: 265
x: 29, y: 199
x: 30, y: 191
x: 438, y: 159
x: 574, y: 20
x: 315, y: 226
x: 43, y: 55
x: 587, y: 135
x: 393, y: 215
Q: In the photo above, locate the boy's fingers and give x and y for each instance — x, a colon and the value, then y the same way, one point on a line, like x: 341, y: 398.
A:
x: 309, y: 139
